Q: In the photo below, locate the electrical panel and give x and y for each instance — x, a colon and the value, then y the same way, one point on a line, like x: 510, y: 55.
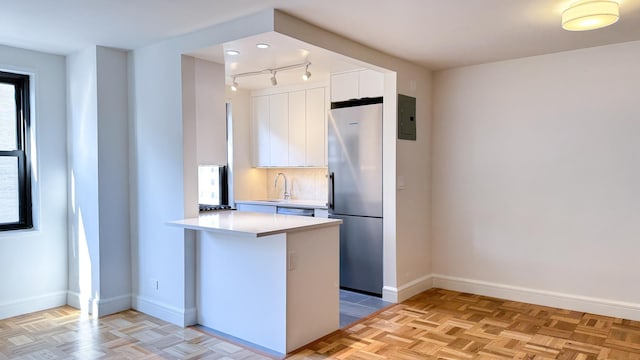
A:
x: 406, y: 117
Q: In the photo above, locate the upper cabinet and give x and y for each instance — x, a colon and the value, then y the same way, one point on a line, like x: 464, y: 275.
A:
x: 279, y: 128
x: 261, y: 131
x: 316, y: 130
x: 297, y: 128
x: 356, y: 85
x: 345, y: 86
x: 289, y: 128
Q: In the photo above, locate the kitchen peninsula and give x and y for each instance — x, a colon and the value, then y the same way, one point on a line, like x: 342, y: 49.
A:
x: 268, y: 279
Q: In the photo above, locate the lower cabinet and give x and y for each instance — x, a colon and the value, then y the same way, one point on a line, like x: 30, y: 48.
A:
x: 273, y: 209
x: 269, y: 209
x: 321, y: 213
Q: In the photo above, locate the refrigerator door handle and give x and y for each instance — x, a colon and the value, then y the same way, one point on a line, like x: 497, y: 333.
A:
x: 331, y: 191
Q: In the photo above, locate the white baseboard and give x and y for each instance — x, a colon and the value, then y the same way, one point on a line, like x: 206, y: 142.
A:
x: 100, y: 307
x: 403, y: 292
x: 592, y: 305
x: 114, y: 305
x: 73, y: 299
x: 180, y: 317
x: 32, y: 304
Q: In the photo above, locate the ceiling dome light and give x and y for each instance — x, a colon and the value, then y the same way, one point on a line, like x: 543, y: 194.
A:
x: 307, y: 73
x: 262, y: 45
x: 232, y: 52
x: 274, y: 81
x: 590, y: 15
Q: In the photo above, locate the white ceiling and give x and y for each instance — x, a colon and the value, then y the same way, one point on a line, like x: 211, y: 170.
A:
x: 283, y: 51
x: 437, y: 34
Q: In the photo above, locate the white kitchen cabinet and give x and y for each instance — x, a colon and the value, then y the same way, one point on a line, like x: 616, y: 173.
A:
x: 345, y: 86
x: 279, y: 129
x: 371, y: 84
x: 316, y: 132
x: 290, y: 128
x: 356, y: 85
x: 269, y: 209
x: 297, y: 128
x: 261, y: 133
x: 321, y: 213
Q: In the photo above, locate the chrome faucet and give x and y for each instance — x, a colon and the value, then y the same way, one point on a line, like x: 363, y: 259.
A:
x: 275, y: 184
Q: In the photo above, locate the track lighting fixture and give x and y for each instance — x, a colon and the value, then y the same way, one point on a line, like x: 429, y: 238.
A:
x: 307, y: 73
x: 274, y: 81
x: 234, y: 85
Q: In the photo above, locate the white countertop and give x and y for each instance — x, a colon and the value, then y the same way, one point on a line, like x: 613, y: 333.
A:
x: 252, y: 224
x: 304, y: 204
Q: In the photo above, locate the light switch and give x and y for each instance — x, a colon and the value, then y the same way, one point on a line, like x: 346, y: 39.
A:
x: 400, y: 182
x: 291, y: 260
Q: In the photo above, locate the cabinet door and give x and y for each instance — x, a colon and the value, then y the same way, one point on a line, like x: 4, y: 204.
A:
x: 321, y: 213
x: 297, y: 128
x: 279, y: 129
x: 260, y: 129
x: 316, y: 133
x: 256, y: 208
x: 345, y: 86
x: 371, y: 84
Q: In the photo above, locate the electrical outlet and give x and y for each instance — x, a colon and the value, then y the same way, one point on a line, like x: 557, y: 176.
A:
x: 154, y: 284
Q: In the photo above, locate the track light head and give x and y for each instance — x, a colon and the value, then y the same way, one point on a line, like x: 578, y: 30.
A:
x: 234, y: 85
x: 307, y: 73
x: 274, y: 81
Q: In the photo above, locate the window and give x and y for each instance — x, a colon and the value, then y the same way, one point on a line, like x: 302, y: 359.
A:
x: 15, y: 166
x: 212, y: 185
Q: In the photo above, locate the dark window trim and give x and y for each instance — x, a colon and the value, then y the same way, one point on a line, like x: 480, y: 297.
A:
x: 21, y: 83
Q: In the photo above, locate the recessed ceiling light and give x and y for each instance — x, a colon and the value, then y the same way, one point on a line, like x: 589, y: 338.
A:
x: 262, y: 46
x: 232, y: 52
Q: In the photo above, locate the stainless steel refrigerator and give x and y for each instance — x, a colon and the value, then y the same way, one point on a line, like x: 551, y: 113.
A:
x: 355, y: 190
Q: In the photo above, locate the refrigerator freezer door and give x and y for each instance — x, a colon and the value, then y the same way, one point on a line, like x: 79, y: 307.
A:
x: 361, y: 253
x: 355, y: 160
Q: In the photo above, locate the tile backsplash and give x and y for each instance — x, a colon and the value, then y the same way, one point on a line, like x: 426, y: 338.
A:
x: 304, y: 183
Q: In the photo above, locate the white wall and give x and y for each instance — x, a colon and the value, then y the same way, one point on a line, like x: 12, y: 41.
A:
x: 113, y: 179
x: 84, y: 232
x: 413, y: 211
x: 211, y: 116
x: 99, y: 246
x: 33, y: 263
x: 303, y: 183
x: 536, y: 177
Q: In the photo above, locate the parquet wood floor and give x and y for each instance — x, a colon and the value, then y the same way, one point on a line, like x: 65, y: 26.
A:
x: 63, y: 333
x: 442, y: 324
x: 437, y: 324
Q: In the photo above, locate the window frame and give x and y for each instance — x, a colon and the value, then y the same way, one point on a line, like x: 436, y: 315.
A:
x: 22, y: 153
